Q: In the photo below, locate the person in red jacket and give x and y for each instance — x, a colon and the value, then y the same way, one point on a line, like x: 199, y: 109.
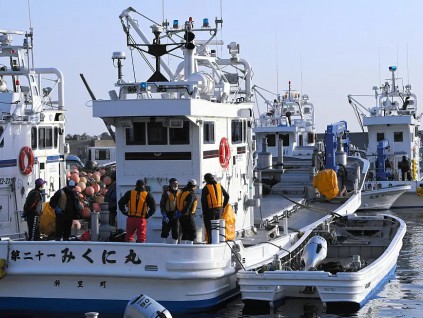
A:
x: 140, y: 206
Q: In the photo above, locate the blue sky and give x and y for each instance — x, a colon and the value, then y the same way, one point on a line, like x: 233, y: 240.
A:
x: 327, y: 48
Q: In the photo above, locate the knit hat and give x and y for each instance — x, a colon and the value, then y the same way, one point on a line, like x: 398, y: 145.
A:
x: 71, y: 183
x: 39, y: 182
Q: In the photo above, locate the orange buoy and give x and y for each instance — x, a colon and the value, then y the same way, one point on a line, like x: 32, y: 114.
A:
x: 89, y: 191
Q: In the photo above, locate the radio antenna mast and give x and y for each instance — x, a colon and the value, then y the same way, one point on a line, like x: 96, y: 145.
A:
x: 30, y: 36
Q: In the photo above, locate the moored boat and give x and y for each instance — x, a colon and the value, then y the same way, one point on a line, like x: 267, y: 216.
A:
x: 392, y: 125
x: 32, y: 121
x: 343, y: 263
x: 191, y: 121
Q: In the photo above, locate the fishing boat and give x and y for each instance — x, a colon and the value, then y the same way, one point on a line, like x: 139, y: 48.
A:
x: 288, y: 124
x: 180, y: 124
x: 32, y: 122
x: 392, y: 124
x: 344, y: 262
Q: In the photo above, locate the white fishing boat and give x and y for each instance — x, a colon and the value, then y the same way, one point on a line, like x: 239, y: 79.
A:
x: 32, y: 121
x: 288, y: 124
x: 343, y: 262
x: 196, y: 120
x: 392, y: 124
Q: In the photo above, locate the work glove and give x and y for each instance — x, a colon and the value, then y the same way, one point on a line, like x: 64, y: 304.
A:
x: 165, y: 218
x: 58, y: 211
x: 177, y: 214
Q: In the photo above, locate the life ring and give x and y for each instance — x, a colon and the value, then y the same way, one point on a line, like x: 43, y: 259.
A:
x: 26, y: 168
x: 224, y: 152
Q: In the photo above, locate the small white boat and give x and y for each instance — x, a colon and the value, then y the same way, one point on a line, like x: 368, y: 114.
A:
x: 354, y: 257
x: 392, y: 122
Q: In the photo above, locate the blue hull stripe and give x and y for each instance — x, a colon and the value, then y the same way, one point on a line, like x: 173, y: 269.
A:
x: 8, y: 163
x: 57, y: 158
x: 106, y: 308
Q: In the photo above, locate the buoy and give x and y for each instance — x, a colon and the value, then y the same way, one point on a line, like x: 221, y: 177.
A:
x: 82, y: 185
x: 89, y: 191
x: 75, y: 177
x: 96, y: 207
x: 107, y: 180
x: 82, y: 179
x: 77, y: 188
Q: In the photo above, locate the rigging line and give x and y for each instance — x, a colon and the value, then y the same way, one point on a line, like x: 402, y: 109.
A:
x: 146, y: 18
x: 317, y: 209
x: 133, y: 66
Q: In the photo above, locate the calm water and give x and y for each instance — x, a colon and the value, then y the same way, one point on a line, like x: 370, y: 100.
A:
x: 401, y: 297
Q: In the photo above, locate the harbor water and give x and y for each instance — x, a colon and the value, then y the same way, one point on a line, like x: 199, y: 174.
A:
x: 402, y: 296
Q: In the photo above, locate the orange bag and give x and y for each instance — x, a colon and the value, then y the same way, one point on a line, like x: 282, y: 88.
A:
x: 229, y: 216
x: 327, y: 183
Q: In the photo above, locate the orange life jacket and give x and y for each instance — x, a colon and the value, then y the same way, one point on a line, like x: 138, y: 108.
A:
x: 181, y: 203
x: 138, y: 204
x: 214, y: 198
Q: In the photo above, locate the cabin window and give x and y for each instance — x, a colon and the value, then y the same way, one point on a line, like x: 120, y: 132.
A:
x: 300, y: 140
x: 49, y: 138
x: 156, y: 134
x: 34, y: 137
x: 208, y: 132
x: 271, y: 140
x: 45, y: 138
x: 398, y: 136
x: 42, y: 138
x: 136, y: 134
x: 237, y: 131
x: 1, y: 132
x: 285, y: 139
x: 380, y: 137
x: 179, y: 136
x: 102, y: 154
x: 56, y: 137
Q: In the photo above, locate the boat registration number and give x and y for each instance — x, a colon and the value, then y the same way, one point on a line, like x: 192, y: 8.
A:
x: 5, y: 180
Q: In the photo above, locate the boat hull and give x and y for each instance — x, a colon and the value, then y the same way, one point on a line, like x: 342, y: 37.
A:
x: 104, y: 276
x: 383, y: 198
x: 352, y: 288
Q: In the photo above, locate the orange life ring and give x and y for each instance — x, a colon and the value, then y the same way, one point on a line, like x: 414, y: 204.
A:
x: 26, y: 168
x: 224, y: 152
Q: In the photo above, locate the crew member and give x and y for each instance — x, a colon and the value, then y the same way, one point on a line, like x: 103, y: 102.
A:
x: 168, y: 209
x: 214, y: 198
x: 405, y: 167
x: 187, y: 206
x: 66, y: 205
x: 140, y: 206
x: 110, y: 197
x: 33, y: 208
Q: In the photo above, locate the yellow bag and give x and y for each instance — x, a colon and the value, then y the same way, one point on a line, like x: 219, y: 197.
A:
x: 48, y: 220
x: 327, y: 183
x: 229, y: 216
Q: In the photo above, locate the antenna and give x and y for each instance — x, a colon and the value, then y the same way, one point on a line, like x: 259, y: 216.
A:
x: 277, y: 65
x: 380, y: 82
x: 408, y: 71
x: 301, y: 74
x: 221, y: 30
x: 31, y: 33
